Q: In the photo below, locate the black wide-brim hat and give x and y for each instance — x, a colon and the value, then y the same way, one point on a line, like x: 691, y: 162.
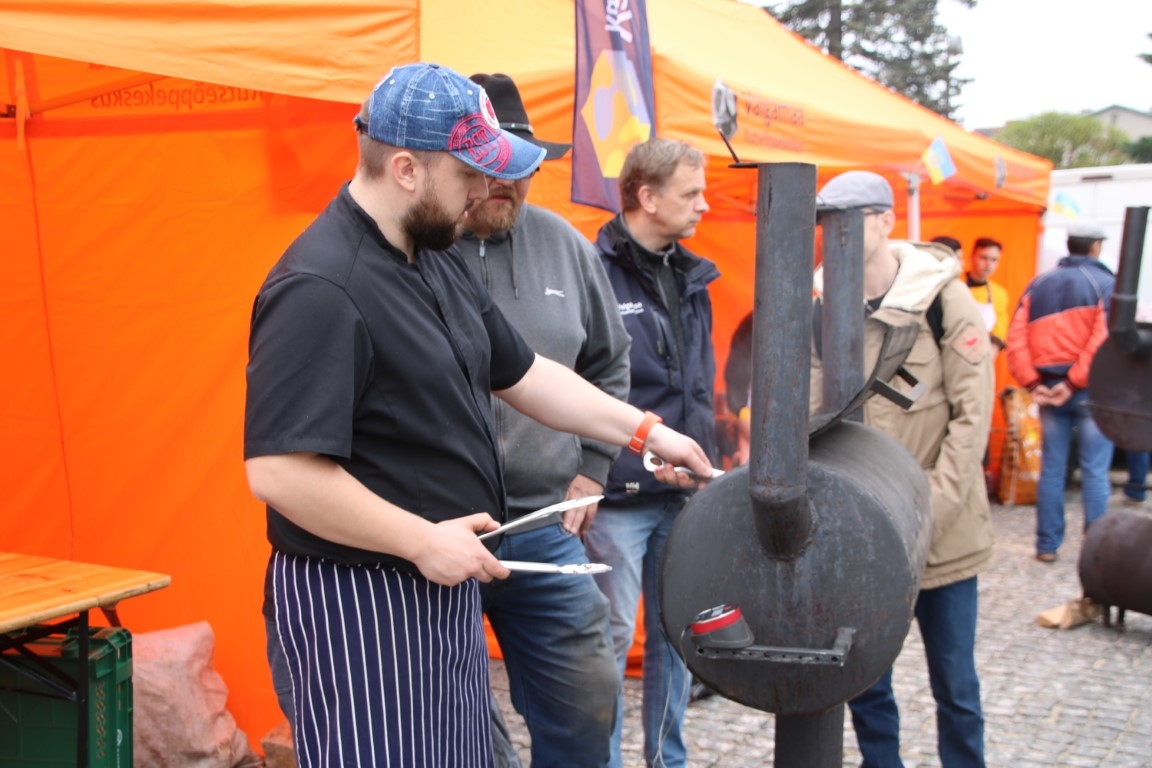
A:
x: 509, y: 107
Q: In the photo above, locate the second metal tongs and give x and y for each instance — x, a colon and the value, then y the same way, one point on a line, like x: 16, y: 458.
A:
x: 652, y: 462
x: 544, y: 512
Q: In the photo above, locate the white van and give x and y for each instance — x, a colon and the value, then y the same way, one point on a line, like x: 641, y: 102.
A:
x: 1100, y: 195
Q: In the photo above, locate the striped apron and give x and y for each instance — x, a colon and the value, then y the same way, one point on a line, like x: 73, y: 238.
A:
x: 387, y: 668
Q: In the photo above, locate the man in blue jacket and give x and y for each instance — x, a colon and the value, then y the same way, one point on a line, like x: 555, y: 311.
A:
x: 1061, y: 321
x: 662, y: 293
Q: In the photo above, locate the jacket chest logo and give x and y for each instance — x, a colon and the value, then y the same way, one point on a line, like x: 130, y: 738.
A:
x: 553, y: 292
x: 631, y: 308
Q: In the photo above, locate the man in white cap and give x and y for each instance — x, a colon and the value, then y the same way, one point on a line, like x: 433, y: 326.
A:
x: 369, y: 434
x: 946, y: 429
x: 1061, y: 321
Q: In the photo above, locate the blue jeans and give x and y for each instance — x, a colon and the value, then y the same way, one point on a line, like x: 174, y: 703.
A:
x: 631, y: 540
x: 1137, y: 475
x: 553, y: 632
x: 1095, y: 453
x: 278, y: 664
x: 947, y: 619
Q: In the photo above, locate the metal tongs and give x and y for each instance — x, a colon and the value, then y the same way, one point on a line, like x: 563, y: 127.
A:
x: 652, y: 462
x: 577, y: 568
x: 549, y: 511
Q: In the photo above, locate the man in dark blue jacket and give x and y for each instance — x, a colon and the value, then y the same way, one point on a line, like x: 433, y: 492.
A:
x: 662, y: 292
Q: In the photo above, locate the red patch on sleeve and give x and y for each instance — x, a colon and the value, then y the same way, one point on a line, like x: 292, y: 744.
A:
x: 972, y: 344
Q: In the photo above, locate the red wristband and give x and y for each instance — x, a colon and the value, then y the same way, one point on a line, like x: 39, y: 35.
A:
x: 636, y: 445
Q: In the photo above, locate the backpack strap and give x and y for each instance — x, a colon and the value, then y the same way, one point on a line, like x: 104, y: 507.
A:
x: 934, y: 316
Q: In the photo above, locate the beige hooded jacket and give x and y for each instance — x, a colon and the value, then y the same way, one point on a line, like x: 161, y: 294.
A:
x: 946, y: 429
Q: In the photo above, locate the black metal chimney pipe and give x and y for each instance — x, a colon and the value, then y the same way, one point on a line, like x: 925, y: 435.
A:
x: 781, y: 350
x: 1122, y: 314
x: 842, y: 327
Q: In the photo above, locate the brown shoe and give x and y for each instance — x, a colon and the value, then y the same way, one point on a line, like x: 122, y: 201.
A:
x: 1046, y: 557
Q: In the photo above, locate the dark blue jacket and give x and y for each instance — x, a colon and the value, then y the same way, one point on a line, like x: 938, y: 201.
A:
x: 680, y: 391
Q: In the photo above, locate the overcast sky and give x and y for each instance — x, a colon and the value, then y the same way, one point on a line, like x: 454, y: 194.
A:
x: 1031, y: 56
x: 1025, y: 57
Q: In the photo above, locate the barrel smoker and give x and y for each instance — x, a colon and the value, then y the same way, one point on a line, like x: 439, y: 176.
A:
x: 1116, y: 556
x: 789, y: 585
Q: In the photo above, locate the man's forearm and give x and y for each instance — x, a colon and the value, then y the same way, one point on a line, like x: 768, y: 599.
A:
x: 559, y: 398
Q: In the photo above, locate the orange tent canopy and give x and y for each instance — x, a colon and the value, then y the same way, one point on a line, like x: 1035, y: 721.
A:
x: 156, y: 158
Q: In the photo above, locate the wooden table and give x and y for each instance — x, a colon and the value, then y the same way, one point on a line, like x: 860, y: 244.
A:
x: 37, y: 590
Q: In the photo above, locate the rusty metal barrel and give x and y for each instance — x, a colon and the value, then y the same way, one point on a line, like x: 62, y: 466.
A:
x: 859, y: 570
x: 789, y: 585
x: 1116, y: 561
x: 1116, y: 556
x: 1119, y: 395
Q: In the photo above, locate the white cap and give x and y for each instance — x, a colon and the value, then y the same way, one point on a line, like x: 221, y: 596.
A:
x: 1087, y: 229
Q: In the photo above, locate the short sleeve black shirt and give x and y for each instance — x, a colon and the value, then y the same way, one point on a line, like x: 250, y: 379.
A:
x: 386, y: 367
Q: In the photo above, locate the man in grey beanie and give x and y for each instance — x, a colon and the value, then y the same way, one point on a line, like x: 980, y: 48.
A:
x: 946, y: 429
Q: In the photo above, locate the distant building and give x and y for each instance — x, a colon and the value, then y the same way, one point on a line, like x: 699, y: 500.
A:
x: 1133, y: 122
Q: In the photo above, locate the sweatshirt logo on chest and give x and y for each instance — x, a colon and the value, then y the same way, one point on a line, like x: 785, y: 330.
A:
x: 631, y: 307
x: 553, y: 292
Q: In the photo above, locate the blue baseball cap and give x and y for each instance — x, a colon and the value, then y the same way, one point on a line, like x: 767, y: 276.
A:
x: 429, y: 107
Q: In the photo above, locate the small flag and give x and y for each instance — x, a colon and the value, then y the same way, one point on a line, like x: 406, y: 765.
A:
x: 938, y: 162
x: 1065, y: 206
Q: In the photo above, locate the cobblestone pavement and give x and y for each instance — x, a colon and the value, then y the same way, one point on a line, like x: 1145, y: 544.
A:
x: 1078, y: 697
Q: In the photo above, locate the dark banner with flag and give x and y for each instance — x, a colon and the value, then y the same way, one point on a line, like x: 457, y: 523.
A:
x: 615, y: 101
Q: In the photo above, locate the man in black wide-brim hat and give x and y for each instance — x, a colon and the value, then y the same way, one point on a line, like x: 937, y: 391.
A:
x: 552, y: 628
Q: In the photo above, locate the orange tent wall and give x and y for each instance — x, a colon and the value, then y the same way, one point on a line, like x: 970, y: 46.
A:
x: 133, y: 250
x: 137, y: 228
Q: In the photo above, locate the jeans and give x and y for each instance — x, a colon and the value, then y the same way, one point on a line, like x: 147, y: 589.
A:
x: 631, y: 540
x: 504, y: 753
x: 553, y: 632
x: 1137, y: 475
x: 278, y: 663
x: 1095, y: 453
x: 947, y: 619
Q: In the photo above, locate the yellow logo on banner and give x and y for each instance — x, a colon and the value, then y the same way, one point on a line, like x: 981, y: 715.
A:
x: 615, y: 112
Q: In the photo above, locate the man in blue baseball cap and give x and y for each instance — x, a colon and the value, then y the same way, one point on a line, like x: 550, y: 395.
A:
x: 369, y: 434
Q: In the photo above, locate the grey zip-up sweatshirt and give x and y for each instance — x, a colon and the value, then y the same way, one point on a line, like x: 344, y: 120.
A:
x: 550, y: 284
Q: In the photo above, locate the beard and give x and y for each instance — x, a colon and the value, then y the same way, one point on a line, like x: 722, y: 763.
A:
x: 499, y: 212
x: 429, y: 226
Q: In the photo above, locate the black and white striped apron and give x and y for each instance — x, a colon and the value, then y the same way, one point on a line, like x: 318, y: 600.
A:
x: 388, y: 669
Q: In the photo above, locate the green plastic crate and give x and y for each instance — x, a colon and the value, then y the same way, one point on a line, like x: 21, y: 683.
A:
x: 39, y: 731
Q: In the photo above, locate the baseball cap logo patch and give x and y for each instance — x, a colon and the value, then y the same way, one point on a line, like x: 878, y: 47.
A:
x: 486, y: 147
x: 488, y: 111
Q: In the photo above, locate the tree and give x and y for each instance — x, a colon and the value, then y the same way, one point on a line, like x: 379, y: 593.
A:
x: 897, y: 43
x: 1069, y: 141
x: 1147, y: 56
x: 1140, y: 150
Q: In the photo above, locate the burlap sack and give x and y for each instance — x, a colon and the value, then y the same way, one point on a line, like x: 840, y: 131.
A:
x: 179, y: 703
x: 1072, y: 614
